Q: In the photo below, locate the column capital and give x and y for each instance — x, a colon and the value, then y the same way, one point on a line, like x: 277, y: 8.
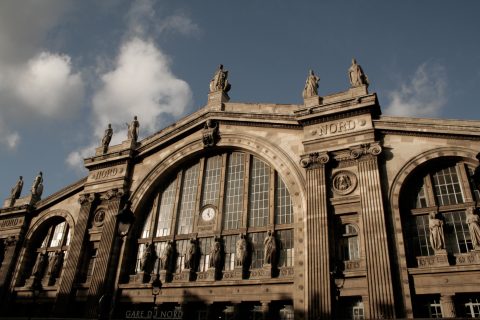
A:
x: 113, y: 193
x: 86, y: 197
x: 313, y: 160
x: 356, y: 152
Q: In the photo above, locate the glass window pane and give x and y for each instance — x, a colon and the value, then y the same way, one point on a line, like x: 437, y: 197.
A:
x: 165, y: 213
x: 58, y: 234
x: 285, y: 239
x: 234, y: 191
x: 187, y: 204
x: 256, y: 239
x: 259, y: 193
x: 283, y: 205
x: 447, y: 187
x: 211, y: 185
x: 230, y: 247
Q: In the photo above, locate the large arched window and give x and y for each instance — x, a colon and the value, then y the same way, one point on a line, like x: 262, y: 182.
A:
x: 439, y: 194
x: 223, y: 195
x: 47, y: 258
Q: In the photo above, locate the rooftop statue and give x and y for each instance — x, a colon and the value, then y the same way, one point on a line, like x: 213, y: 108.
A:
x: 16, y: 191
x: 219, y: 81
x: 37, y: 187
x: 107, y: 137
x: 133, y: 129
x: 311, y: 86
x: 356, y: 75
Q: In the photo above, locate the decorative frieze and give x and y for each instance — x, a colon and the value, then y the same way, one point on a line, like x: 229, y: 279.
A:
x: 472, y: 257
x: 440, y: 260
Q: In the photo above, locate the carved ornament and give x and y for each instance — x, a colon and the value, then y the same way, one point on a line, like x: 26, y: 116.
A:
x: 314, y: 159
x: 99, y: 218
x: 357, y: 152
x: 210, y: 134
x: 10, y: 241
x: 85, y: 197
x: 117, y: 193
x: 344, y: 182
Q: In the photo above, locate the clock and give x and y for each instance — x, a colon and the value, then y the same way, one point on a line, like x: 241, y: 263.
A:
x: 208, y: 214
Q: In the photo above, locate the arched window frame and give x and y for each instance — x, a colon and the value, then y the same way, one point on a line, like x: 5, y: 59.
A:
x: 279, y: 208
x: 446, y: 200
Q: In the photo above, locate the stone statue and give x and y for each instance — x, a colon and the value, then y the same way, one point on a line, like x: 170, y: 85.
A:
x: 437, y: 239
x: 167, y: 255
x: 56, y: 264
x: 133, y: 129
x: 40, y: 265
x: 311, y: 86
x: 241, y: 252
x: 219, y: 81
x: 356, y: 75
x: 210, y: 133
x: 216, y: 255
x: 16, y: 191
x: 269, y: 248
x: 191, y: 255
x: 148, y: 258
x: 473, y: 222
x: 37, y: 187
x: 107, y: 137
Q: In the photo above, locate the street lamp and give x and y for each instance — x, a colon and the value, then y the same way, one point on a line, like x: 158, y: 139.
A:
x: 36, y: 290
x: 125, y: 219
x: 338, y: 280
x: 156, y: 288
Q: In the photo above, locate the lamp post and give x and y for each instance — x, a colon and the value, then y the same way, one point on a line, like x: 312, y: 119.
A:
x: 338, y: 280
x: 36, y: 290
x: 156, y: 288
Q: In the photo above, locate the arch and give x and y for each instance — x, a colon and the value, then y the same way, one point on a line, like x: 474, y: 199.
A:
x: 51, y: 214
x: 266, y: 151
x: 394, y: 198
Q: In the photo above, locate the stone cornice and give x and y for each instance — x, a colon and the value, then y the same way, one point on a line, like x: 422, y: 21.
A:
x: 428, y: 127
x: 74, y: 187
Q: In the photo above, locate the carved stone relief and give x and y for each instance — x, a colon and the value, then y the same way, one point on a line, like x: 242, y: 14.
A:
x: 344, y: 182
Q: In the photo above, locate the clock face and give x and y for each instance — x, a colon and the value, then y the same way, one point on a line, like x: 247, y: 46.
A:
x: 208, y: 214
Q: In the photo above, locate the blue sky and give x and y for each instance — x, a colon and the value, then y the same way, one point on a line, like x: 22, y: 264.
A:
x: 68, y: 68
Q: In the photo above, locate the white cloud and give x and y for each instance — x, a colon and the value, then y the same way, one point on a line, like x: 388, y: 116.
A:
x: 75, y: 158
x: 141, y: 84
x: 8, y: 138
x: 178, y: 23
x: 48, y: 85
x: 424, y: 95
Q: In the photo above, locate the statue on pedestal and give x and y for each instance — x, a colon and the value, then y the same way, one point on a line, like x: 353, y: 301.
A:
x: 37, y: 187
x: 241, y: 253
x: 473, y: 222
x: 311, y: 86
x: 16, y: 191
x: 133, y: 129
x: 107, y: 137
x: 148, y: 258
x: 56, y: 264
x: 191, y: 255
x: 216, y: 255
x: 167, y: 255
x: 356, y: 75
x: 270, y: 248
x: 40, y: 266
x: 219, y: 81
x: 437, y: 238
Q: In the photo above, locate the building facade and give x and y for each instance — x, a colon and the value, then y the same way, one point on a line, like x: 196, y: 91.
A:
x: 326, y: 209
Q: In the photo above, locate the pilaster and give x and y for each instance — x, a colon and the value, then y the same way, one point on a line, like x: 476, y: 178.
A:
x: 448, y: 306
x: 76, y: 249
x: 101, y: 276
x: 318, y: 296
x: 379, y: 278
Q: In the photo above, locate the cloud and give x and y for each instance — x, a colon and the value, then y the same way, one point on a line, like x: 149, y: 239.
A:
x: 423, y: 95
x: 48, y: 85
x: 8, y: 138
x: 178, y: 23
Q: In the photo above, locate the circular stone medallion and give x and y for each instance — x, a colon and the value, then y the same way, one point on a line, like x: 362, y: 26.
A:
x: 344, y: 182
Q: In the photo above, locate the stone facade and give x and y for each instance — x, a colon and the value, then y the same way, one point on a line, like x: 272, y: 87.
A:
x: 345, y: 192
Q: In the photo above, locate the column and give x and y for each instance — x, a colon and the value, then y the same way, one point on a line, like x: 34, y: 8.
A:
x: 74, y: 254
x: 379, y: 279
x: 102, y: 273
x: 448, y: 306
x: 319, y: 299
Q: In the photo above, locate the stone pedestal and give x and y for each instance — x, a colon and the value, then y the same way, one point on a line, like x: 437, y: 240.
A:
x: 140, y: 277
x: 235, y: 274
x: 184, y: 276
x: 209, y: 275
x: 312, y: 101
x: 9, y: 202
x: 440, y: 259
x: 216, y: 100
x: 165, y: 276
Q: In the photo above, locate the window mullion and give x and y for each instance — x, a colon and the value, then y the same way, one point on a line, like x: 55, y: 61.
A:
x: 271, y: 200
x: 198, y: 197
x: 427, y: 180
x: 464, y: 183
x: 246, y: 193
x: 221, y: 197
x: 176, y: 205
x: 154, y: 216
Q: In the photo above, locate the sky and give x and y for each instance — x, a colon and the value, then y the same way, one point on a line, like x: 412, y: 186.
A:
x: 68, y: 68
